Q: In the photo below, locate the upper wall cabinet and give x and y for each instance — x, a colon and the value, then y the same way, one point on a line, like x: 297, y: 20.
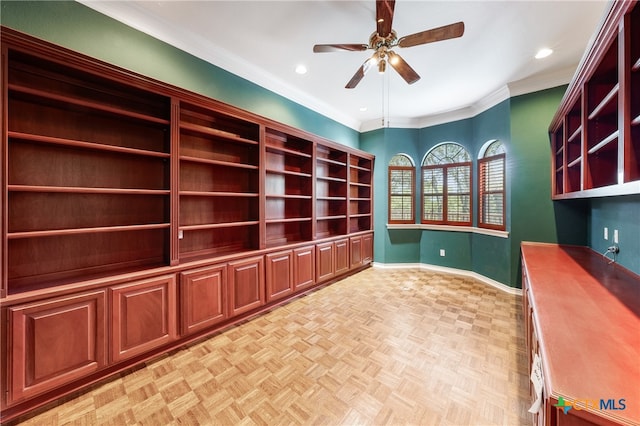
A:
x: 595, y: 135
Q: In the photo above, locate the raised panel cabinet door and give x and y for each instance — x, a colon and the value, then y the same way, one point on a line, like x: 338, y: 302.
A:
x: 143, y: 316
x: 367, y: 249
x: 279, y: 270
x: 342, y: 256
x: 203, y: 298
x: 356, y: 251
x: 54, y: 342
x: 246, y: 285
x: 324, y: 261
x: 304, y: 271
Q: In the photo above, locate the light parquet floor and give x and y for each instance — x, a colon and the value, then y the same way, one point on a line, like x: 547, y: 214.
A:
x: 382, y: 347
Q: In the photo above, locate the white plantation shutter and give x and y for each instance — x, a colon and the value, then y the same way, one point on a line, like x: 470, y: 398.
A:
x: 401, y: 189
x: 491, y: 192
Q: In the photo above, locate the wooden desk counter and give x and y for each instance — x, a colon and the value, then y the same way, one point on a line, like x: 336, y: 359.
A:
x: 587, y: 316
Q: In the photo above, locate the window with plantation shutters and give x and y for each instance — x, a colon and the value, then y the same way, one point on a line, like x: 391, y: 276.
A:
x: 401, y: 189
x: 491, y: 187
x: 446, y: 185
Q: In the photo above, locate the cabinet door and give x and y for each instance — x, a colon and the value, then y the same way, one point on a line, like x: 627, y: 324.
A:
x: 143, y: 316
x: 356, y: 251
x: 324, y: 261
x: 55, y: 342
x: 304, y: 271
x: 279, y: 275
x: 203, y: 298
x: 246, y: 285
x: 367, y: 249
x: 342, y: 256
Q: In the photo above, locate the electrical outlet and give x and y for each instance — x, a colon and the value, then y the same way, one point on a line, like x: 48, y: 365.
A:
x: 615, y: 236
x: 606, y: 233
x: 180, y: 234
x: 442, y: 252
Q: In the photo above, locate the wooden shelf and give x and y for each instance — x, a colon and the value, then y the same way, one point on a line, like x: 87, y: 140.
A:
x: 575, y: 162
x: 218, y: 225
x: 287, y: 151
x: 290, y: 196
x: 291, y: 173
x: 75, y: 231
x: 67, y: 101
x: 575, y: 134
x: 85, y: 145
x: 603, y: 143
x: 218, y: 194
x: 334, y: 217
x: 330, y: 161
x: 288, y: 220
x: 611, y: 96
x: 208, y: 131
x: 333, y: 179
x: 86, y: 190
x: 218, y: 162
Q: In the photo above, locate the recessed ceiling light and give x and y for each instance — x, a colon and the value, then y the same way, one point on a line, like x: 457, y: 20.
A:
x: 301, y: 69
x: 543, y: 53
x: 363, y: 109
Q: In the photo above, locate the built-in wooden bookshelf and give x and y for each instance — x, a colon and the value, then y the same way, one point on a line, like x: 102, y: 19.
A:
x: 136, y: 217
x: 331, y: 191
x: 360, y: 183
x: 595, y: 131
x: 87, y: 177
x: 288, y: 188
x: 219, y: 183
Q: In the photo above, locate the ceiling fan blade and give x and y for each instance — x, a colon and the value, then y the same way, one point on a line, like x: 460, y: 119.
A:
x: 384, y: 16
x: 402, y: 67
x: 435, y: 34
x: 320, y: 48
x: 361, y: 72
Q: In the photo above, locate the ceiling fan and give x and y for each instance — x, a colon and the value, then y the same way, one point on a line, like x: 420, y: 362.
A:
x: 385, y: 38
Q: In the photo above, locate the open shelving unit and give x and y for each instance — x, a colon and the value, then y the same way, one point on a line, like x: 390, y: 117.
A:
x: 360, y: 202
x: 331, y: 192
x: 288, y: 188
x: 219, y: 183
x: 88, y: 180
x: 595, y: 132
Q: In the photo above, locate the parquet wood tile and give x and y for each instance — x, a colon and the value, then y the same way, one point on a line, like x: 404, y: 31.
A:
x: 382, y: 347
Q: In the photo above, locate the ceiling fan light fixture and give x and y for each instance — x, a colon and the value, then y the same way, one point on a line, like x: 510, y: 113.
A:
x: 382, y: 66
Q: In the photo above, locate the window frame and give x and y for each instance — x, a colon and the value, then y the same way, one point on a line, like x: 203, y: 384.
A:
x: 445, y: 194
x: 411, y: 195
x: 481, y: 191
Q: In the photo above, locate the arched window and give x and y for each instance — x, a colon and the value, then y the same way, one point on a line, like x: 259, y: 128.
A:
x: 402, y: 174
x: 446, y: 185
x: 491, y: 186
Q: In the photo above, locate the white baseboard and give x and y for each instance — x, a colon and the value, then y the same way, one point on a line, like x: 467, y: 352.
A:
x: 452, y: 271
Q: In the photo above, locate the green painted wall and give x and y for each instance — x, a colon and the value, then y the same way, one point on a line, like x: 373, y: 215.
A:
x: 621, y: 213
x: 82, y: 29
x: 534, y: 216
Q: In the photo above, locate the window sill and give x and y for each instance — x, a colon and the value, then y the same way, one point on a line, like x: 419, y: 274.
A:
x: 451, y: 228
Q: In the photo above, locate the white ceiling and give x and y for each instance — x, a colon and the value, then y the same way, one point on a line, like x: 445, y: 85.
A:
x: 263, y: 41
